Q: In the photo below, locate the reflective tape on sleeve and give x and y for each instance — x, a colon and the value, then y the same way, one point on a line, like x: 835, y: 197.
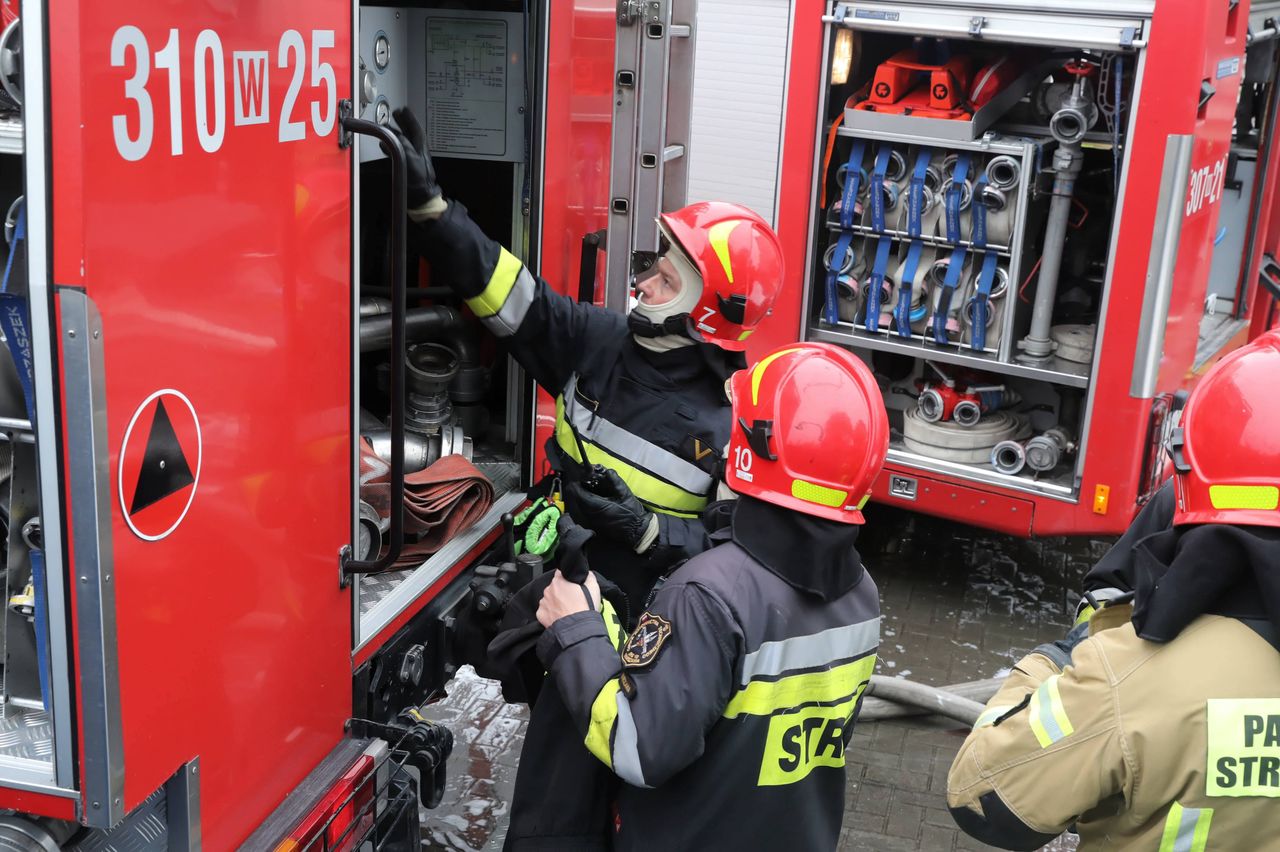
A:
x: 506, y: 298
x: 1048, y: 717
x: 1186, y: 829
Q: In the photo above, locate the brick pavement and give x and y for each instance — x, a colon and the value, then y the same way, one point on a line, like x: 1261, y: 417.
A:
x: 958, y: 605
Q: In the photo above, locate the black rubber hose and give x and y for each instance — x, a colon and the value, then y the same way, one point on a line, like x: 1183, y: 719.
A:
x: 437, y: 322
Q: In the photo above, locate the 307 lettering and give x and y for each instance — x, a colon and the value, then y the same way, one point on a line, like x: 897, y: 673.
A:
x: 1207, y: 184
x: 134, y: 129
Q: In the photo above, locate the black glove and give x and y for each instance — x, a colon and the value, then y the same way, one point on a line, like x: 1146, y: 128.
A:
x: 572, y: 549
x: 420, y: 173
x: 609, y: 508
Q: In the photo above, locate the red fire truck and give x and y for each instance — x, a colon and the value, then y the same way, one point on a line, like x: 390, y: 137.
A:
x: 211, y: 300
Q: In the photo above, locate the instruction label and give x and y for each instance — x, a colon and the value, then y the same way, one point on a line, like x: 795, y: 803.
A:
x: 467, y: 86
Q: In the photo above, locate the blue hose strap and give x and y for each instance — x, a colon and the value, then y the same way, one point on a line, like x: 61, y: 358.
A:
x: 982, y: 303
x: 14, y: 319
x: 872, y: 319
x: 36, y: 558
x: 954, y: 265
x: 852, y: 183
x: 915, y: 199
x: 979, y: 209
x: 16, y: 323
x: 877, y: 188
x: 831, y: 311
x: 954, y: 195
x: 848, y: 203
x: 902, y: 313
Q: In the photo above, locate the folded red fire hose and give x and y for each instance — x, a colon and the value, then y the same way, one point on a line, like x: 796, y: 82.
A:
x: 439, y: 501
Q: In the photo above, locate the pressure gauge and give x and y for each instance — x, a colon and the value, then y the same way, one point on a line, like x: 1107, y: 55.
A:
x: 381, y: 52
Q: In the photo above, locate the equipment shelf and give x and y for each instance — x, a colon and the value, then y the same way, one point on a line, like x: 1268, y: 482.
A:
x: 1058, y: 372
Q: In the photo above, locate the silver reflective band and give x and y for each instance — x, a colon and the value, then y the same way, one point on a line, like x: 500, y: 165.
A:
x: 806, y: 652
x: 632, y: 448
x: 626, y: 745
x: 508, y: 319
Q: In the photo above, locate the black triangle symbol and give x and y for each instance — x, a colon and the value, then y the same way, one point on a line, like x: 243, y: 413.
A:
x: 164, y: 468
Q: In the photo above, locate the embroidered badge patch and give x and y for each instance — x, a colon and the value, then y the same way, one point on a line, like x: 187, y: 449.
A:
x: 703, y: 455
x: 646, y: 641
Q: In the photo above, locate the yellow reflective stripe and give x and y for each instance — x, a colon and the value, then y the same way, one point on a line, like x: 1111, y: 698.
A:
x: 1048, y: 718
x: 757, y: 374
x: 762, y: 698
x: 990, y: 715
x: 613, y: 626
x: 604, y: 715
x: 499, y: 287
x: 718, y: 235
x: 1264, y: 497
x: 1086, y: 613
x: 1186, y: 829
x: 658, y: 495
x: 812, y: 492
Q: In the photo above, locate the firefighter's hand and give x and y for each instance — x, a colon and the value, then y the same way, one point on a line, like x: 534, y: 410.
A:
x: 613, y: 511
x: 562, y: 598
x: 426, y: 200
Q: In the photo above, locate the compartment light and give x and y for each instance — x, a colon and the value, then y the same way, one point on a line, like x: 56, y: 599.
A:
x: 842, y: 57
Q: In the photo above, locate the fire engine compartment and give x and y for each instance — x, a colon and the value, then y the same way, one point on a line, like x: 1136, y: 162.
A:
x: 1040, y: 132
x: 463, y: 72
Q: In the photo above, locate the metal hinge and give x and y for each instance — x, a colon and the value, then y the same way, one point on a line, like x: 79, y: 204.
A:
x: 631, y: 12
x: 976, y: 24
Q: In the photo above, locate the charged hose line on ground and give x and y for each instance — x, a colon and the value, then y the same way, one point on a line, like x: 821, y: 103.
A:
x: 892, y: 697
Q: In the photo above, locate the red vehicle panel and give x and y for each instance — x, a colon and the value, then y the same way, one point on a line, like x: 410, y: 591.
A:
x: 202, y: 202
x: 577, y: 134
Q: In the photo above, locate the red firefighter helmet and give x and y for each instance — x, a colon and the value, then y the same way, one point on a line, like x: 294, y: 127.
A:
x: 740, y: 260
x: 809, y: 433
x: 1226, y: 449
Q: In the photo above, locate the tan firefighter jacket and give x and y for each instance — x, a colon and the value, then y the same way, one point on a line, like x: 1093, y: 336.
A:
x: 1171, y: 747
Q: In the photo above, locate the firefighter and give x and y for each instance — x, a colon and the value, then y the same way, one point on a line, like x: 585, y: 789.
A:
x: 640, y: 396
x: 727, y: 711
x: 1161, y: 730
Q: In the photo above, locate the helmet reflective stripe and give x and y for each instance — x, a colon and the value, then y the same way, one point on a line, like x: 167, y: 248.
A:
x: 820, y: 494
x: 1265, y: 497
x: 718, y: 235
x: 757, y: 374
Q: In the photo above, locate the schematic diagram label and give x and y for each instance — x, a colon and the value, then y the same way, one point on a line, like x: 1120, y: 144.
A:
x: 159, y: 464
x: 467, y: 86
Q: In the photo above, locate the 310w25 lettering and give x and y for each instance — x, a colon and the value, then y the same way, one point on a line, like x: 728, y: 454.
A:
x: 250, y: 69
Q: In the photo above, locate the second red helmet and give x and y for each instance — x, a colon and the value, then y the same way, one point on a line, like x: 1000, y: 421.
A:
x: 1226, y: 449
x: 809, y: 433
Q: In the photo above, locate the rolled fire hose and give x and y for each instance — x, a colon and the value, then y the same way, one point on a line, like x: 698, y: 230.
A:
x: 898, y: 697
